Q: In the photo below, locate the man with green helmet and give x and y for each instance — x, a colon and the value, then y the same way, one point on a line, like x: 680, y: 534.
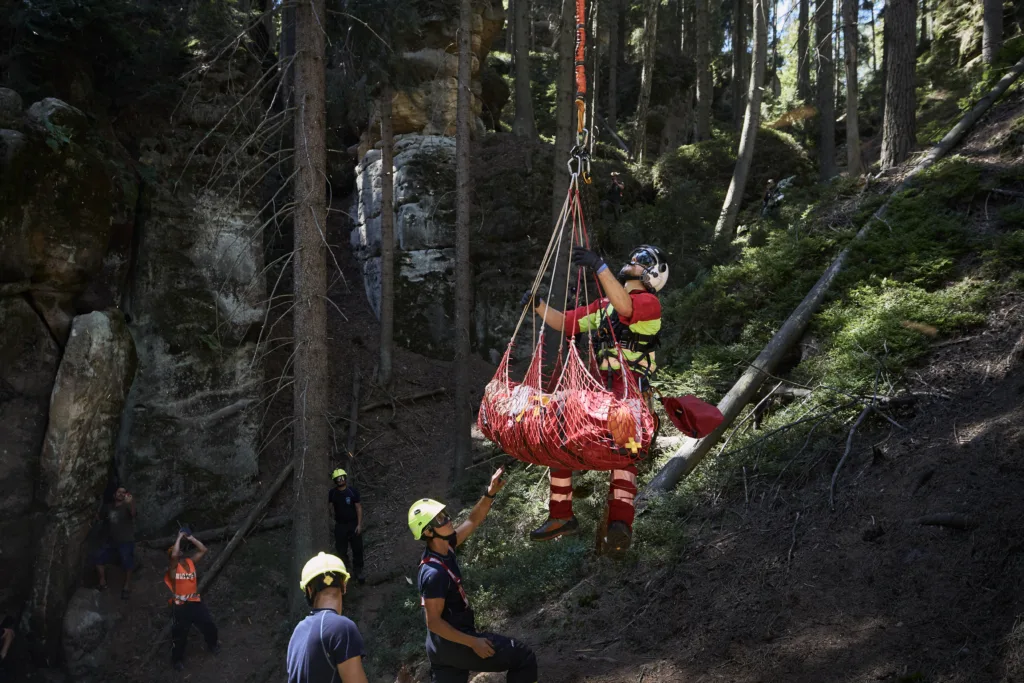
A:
x: 347, y: 509
x: 454, y: 648
x: 325, y: 645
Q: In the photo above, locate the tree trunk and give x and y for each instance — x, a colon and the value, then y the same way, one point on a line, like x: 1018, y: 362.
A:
x: 312, y: 447
x: 523, y: 125
x: 646, y: 75
x: 874, y: 40
x: 803, y: 44
x: 686, y: 459
x: 898, y: 126
x: 288, y: 53
x: 826, y: 90
x: 593, y: 72
x: 837, y: 58
x: 885, y: 65
x: 774, y: 83
x: 614, y: 14
x: 726, y: 228
x: 510, y: 26
x: 992, y: 39
x: 565, y: 135
x: 463, y: 266
x: 676, y: 22
x: 923, y: 41
x: 739, y: 58
x: 705, y: 88
x: 853, y: 162
x: 387, y: 241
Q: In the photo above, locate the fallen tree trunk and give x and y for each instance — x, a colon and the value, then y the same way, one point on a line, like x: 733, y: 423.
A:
x: 212, y: 535
x: 615, y: 136
x: 402, y: 399
x: 686, y: 459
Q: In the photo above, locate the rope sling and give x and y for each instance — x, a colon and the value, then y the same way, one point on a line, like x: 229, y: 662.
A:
x: 572, y: 420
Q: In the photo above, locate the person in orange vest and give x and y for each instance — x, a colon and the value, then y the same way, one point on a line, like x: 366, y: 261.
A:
x: 186, y: 607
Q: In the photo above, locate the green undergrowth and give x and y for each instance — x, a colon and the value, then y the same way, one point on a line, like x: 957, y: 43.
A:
x: 921, y: 275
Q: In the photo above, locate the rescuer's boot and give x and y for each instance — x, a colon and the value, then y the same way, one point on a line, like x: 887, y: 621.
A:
x: 553, y: 528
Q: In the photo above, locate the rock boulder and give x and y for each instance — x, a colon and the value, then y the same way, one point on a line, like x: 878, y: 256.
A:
x: 85, y: 413
x: 65, y: 194
x: 87, y: 628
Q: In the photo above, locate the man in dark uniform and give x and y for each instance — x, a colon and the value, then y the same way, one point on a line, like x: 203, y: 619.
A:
x: 613, y: 198
x: 454, y: 647
x: 325, y: 645
x: 347, y: 508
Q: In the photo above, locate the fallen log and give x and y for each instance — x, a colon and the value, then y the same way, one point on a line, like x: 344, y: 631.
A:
x: 207, y: 576
x: 404, y: 399
x: 947, y: 519
x: 686, y: 459
x: 211, y: 535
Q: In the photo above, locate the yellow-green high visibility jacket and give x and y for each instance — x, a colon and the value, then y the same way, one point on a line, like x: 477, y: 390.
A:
x: 637, y: 343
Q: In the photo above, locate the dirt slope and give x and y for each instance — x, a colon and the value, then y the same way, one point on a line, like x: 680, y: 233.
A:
x: 861, y: 593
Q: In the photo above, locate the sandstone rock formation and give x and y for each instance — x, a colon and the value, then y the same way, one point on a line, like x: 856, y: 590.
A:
x: 425, y: 102
x: 85, y: 413
x: 66, y: 196
x: 190, y: 435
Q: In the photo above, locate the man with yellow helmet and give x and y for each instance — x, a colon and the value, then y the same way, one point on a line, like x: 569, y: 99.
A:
x: 347, y: 510
x: 454, y: 647
x: 325, y: 645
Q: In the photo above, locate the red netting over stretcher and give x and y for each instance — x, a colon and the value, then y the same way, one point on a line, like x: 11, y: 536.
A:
x: 578, y: 425
x: 572, y: 420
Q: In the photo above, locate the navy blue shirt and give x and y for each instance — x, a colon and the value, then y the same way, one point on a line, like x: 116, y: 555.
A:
x: 344, y: 503
x: 321, y: 642
x: 436, y: 581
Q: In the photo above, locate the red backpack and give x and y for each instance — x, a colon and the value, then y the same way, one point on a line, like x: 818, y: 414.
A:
x: 692, y: 416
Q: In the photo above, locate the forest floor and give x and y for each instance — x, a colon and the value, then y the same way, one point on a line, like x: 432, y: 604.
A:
x: 770, y: 583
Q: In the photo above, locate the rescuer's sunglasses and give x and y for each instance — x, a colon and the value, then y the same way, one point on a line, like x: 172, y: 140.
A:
x: 439, y: 521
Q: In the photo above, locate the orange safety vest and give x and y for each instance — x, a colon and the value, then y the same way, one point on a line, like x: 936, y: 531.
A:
x: 184, y: 585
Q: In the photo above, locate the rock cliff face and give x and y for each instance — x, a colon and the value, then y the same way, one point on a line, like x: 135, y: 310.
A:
x: 509, y: 232
x: 98, y: 278
x: 189, y: 438
x: 426, y: 102
x: 67, y: 211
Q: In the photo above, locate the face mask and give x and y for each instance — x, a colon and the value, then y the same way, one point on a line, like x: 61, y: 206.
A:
x: 452, y: 538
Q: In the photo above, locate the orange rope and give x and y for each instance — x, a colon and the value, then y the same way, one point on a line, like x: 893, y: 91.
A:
x: 581, y: 74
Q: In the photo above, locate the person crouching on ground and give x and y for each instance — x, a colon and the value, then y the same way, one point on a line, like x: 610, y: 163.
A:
x: 454, y: 648
x: 325, y: 644
x: 186, y: 607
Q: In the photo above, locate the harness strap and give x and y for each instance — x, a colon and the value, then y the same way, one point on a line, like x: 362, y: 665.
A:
x: 458, y: 582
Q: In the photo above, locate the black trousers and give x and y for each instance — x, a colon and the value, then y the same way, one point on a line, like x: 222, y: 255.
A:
x: 344, y: 536
x: 182, y: 618
x: 451, y: 662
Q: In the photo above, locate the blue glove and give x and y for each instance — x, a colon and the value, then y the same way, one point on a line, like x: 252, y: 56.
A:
x: 586, y: 258
x: 537, y: 299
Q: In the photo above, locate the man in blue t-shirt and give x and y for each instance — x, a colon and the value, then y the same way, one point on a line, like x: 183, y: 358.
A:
x: 347, y: 508
x: 454, y: 648
x: 325, y: 646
